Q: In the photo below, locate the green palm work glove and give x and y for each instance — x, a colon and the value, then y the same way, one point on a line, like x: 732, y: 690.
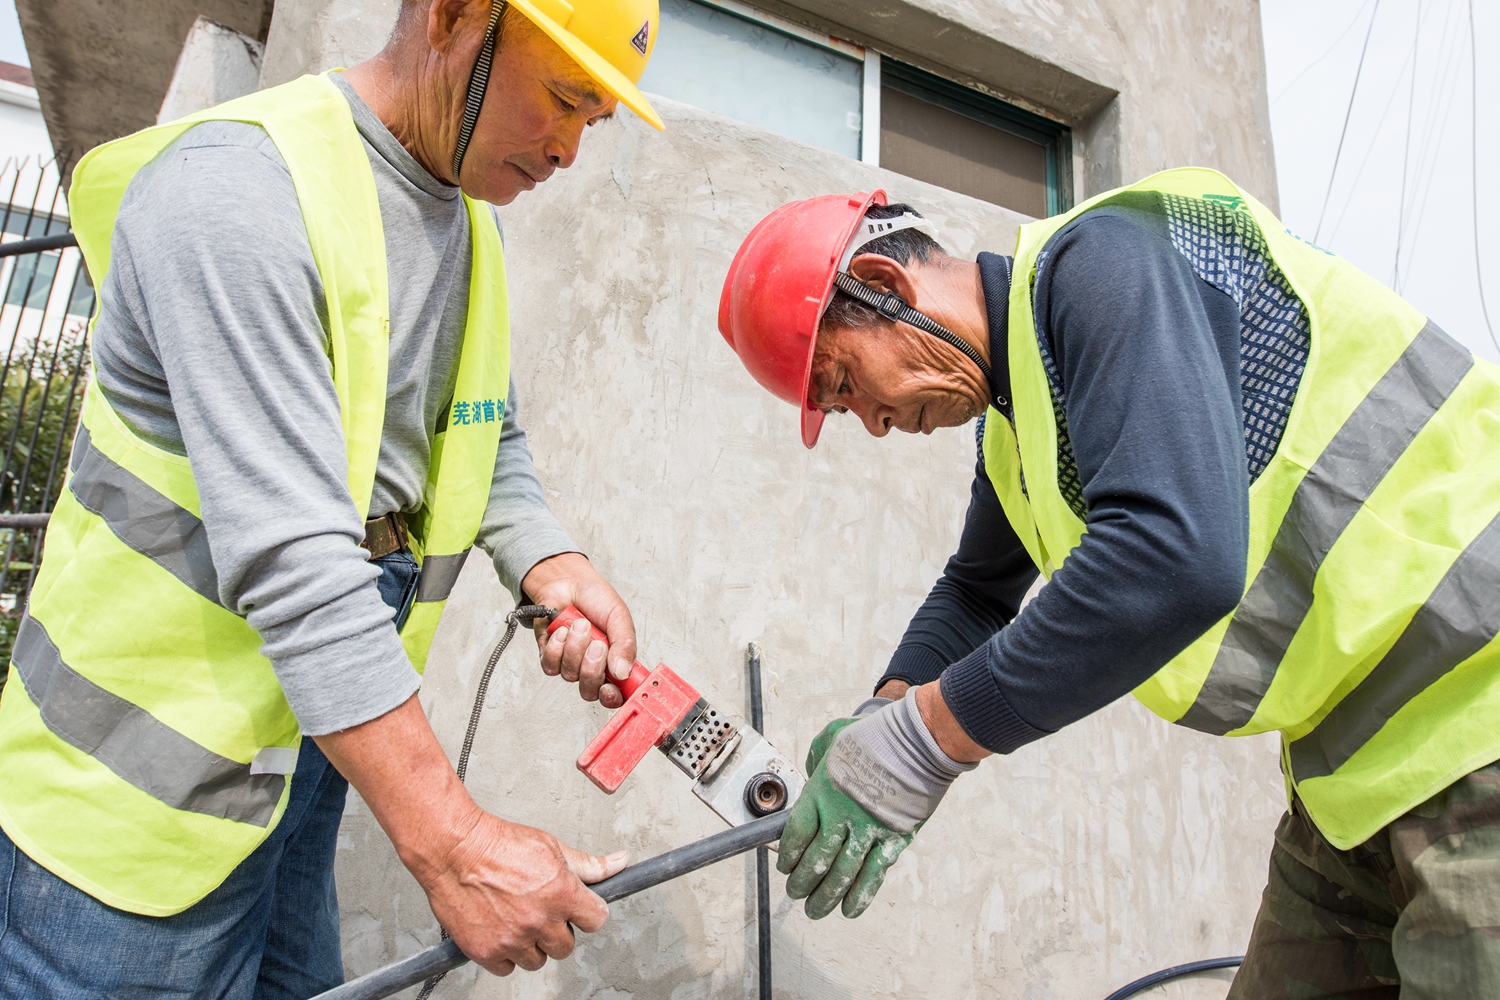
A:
x: 832, y: 849
x: 824, y: 740
x: 876, y: 779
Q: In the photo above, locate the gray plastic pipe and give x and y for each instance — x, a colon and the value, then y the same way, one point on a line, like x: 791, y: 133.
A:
x: 398, y: 976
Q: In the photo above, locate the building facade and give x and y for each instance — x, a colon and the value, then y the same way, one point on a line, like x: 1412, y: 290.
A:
x: 1117, y: 847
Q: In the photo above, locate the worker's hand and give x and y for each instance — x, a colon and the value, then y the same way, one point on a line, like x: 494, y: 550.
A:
x: 508, y: 892
x: 567, y: 579
x: 833, y: 851
x: 875, y: 780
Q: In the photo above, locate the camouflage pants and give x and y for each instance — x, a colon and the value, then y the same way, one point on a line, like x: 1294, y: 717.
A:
x: 1413, y: 912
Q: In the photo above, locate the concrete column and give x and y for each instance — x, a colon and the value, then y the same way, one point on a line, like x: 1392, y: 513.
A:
x: 311, y: 36
x: 217, y: 64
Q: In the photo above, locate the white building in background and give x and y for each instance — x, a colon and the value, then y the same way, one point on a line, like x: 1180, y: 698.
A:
x: 22, y: 131
x: 36, y: 290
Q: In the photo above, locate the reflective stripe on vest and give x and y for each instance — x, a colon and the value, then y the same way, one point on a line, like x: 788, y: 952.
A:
x: 154, y: 758
x: 439, y: 574
x: 142, y: 518
x: 1354, y: 463
x: 146, y: 739
x: 1367, y: 629
x: 1460, y: 618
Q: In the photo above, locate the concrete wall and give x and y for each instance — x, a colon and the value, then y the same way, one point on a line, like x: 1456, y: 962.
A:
x: 1112, y: 849
x: 1145, y: 84
x: 311, y: 35
x: 1119, y: 846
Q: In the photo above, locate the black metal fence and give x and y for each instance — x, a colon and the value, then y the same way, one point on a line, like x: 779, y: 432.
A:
x: 46, y: 298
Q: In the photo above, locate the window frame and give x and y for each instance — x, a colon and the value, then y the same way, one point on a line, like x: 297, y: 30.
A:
x: 1053, y: 136
x: 885, y: 71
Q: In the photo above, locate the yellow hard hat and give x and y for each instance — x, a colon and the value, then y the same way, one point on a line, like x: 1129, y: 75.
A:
x: 611, y: 39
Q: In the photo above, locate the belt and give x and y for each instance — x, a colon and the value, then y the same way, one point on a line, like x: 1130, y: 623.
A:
x: 384, y: 535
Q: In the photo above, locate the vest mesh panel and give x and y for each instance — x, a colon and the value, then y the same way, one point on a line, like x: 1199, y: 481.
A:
x: 1225, y: 249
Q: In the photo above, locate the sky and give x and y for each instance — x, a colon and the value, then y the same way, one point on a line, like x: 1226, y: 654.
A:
x: 1401, y: 204
x: 12, y: 48
x: 1404, y: 174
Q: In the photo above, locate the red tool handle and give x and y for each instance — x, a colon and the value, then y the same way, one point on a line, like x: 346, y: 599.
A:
x: 656, y: 702
x: 638, y: 673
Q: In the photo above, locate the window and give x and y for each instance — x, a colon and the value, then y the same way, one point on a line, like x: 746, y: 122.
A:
x: 23, y: 223
x: 729, y: 58
x: 31, y: 281
x: 34, y: 281
x: 736, y: 62
x: 964, y: 140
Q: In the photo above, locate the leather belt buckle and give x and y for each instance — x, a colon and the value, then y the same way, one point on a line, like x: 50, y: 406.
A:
x: 384, y: 535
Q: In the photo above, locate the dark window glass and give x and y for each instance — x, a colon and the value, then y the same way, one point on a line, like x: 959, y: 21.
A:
x: 958, y: 138
x: 22, y: 224
x: 81, y: 303
x: 31, y: 283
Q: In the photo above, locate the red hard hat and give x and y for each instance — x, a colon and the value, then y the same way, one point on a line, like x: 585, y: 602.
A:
x: 777, y: 288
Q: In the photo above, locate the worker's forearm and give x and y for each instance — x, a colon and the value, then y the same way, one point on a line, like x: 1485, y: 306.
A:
x: 398, y: 768
x: 945, y: 727
x: 509, y: 894
x: 940, y: 720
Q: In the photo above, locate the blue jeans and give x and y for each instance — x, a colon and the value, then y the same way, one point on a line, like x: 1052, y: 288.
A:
x: 269, y: 932
x: 398, y: 583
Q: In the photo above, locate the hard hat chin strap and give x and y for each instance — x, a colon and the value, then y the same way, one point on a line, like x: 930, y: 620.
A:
x: 479, y: 81
x: 894, y: 307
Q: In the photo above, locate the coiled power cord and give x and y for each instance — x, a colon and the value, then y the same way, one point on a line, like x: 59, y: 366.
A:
x: 529, y: 613
x: 1176, y: 971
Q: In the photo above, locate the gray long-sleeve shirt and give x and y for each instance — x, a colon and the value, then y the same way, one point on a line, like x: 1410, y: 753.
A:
x: 213, y: 343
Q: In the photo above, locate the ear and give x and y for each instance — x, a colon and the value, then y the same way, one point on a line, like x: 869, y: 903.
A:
x: 447, y: 20
x: 886, y: 275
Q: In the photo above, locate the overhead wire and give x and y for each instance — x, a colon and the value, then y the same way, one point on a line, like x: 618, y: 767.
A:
x: 1411, y: 103
x: 1381, y: 120
x: 1435, y: 129
x: 1474, y: 170
x: 1353, y: 92
x: 1326, y: 53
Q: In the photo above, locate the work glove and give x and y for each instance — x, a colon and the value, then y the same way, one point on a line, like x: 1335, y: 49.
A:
x: 875, y: 779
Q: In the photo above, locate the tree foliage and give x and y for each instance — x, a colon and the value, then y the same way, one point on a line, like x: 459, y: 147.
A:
x: 39, y: 402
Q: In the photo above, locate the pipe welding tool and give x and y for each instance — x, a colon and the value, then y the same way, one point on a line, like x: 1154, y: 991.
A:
x: 735, y: 770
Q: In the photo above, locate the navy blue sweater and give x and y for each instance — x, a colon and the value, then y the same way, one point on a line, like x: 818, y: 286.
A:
x: 1148, y: 357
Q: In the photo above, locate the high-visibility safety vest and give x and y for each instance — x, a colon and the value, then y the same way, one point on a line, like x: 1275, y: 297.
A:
x: 1372, y: 589
x: 146, y: 741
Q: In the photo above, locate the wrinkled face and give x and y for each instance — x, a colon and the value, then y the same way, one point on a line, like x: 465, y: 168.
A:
x: 891, y: 376
x: 538, y: 103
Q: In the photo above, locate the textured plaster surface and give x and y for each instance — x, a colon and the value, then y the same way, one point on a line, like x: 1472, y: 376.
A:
x: 1117, y: 847
x: 1145, y: 84
x: 311, y: 35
